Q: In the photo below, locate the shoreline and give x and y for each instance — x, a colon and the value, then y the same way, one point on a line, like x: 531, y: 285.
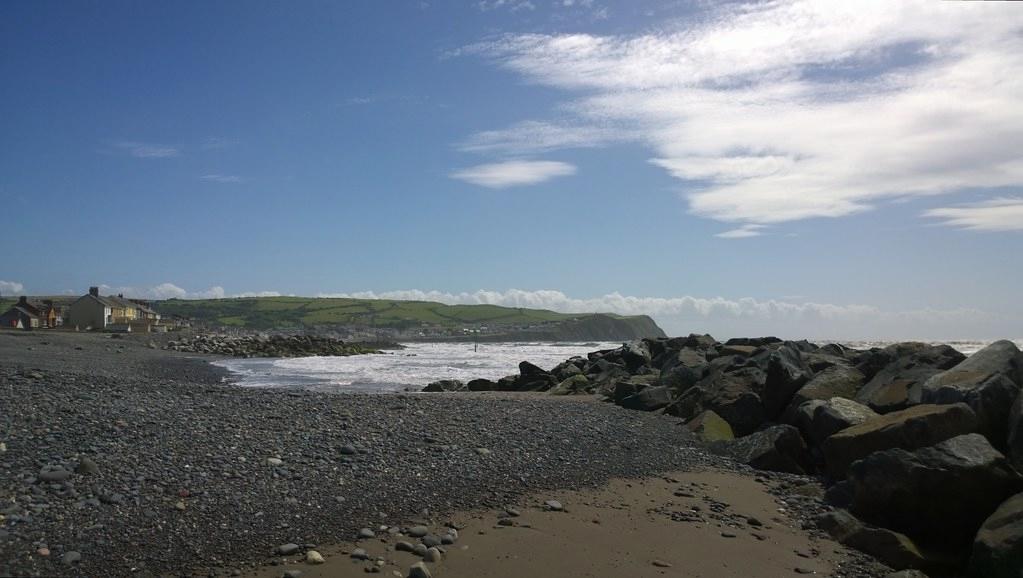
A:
x: 187, y: 477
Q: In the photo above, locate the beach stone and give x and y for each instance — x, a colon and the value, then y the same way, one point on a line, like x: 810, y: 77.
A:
x: 779, y: 448
x: 835, y: 381
x: 403, y: 546
x: 71, y: 558
x: 444, y: 385
x: 573, y: 385
x: 481, y: 385
x: 908, y: 429
x: 349, y: 450
x: 314, y: 557
x: 430, y: 541
x: 366, y: 534
x: 419, y: 570
x: 940, y: 495
x: 359, y: 554
x: 710, y: 427
x: 832, y: 416
x: 288, y: 549
x: 553, y: 505
x: 432, y: 555
x: 648, y: 399
x: 58, y: 475
x: 86, y: 467
x: 418, y: 531
x: 292, y: 574
x: 419, y: 550
x: 274, y: 462
x: 998, y: 547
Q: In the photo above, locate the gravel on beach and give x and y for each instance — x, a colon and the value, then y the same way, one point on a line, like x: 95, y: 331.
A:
x: 119, y: 459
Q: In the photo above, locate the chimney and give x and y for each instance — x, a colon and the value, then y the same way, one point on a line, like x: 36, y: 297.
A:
x: 94, y: 291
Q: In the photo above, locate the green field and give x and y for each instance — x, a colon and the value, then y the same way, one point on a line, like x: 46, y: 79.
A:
x: 276, y: 312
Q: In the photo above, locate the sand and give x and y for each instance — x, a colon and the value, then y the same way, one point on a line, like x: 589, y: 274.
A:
x: 625, y: 528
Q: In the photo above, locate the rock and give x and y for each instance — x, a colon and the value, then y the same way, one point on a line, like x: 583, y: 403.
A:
x: 709, y: 427
x: 533, y: 378
x: 988, y: 381
x: 431, y: 541
x: 834, y: 415
x: 739, y: 350
x: 661, y: 564
x: 71, y: 558
x: 1015, y: 437
x: 568, y: 368
x: 574, y: 385
x: 402, y: 546
x: 58, y: 475
x: 314, y: 557
x: 481, y: 385
x: 649, y: 399
x: 349, y: 450
x: 288, y: 549
x: 418, y: 531
x: 894, y: 549
x: 906, y: 574
x: 553, y: 505
x: 778, y: 448
x: 732, y: 395
x: 366, y: 534
x: 939, y: 495
x: 909, y: 429
x: 419, y: 570
x: 753, y: 341
x: 292, y: 574
x: 998, y: 547
x: 786, y: 374
x: 835, y: 381
x: 86, y: 467
x: 274, y: 462
x: 445, y: 385
x: 359, y: 554
x: 605, y: 375
x: 903, y: 366
x: 432, y: 555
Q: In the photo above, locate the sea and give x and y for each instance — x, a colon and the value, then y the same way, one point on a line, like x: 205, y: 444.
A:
x: 418, y: 364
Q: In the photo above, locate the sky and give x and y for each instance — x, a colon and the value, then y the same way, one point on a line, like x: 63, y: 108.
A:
x: 803, y: 169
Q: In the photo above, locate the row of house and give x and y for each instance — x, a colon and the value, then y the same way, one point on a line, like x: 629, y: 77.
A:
x: 90, y: 311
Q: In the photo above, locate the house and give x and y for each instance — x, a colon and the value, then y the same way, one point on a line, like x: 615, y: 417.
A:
x: 21, y: 315
x: 52, y: 315
x: 95, y: 311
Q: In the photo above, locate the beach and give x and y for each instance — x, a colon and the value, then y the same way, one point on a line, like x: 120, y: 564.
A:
x: 121, y: 459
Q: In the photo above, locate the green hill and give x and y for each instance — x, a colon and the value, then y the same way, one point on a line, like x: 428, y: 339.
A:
x: 402, y: 316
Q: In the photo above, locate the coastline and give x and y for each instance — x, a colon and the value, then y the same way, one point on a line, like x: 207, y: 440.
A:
x: 184, y: 480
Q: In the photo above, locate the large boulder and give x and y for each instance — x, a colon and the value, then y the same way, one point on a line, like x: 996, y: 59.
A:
x: 445, y: 385
x: 909, y: 429
x: 574, y: 385
x: 939, y: 495
x: 648, y: 399
x: 732, y: 395
x: 632, y: 355
x: 998, y: 547
x: 988, y: 381
x: 568, y: 368
x: 752, y: 341
x: 896, y: 369
x: 709, y: 427
x: 481, y: 385
x: 778, y: 448
x: 604, y: 375
x: 683, y: 368
x: 836, y: 381
x: 894, y: 549
x: 821, y: 419
x: 1015, y: 444
x: 786, y: 374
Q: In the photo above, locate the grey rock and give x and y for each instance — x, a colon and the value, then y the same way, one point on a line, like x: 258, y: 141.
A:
x: 288, y: 549
x: 403, y: 546
x: 998, y: 547
x: 1015, y: 437
x: 908, y: 429
x: 432, y: 555
x: 835, y: 381
x: 431, y: 541
x: 732, y: 395
x: 827, y: 418
x: 366, y: 534
x: 896, y: 369
x: 940, y: 494
x: 649, y: 399
x: 86, y: 467
x: 778, y: 448
x: 554, y: 505
x: 54, y: 475
x: 71, y: 558
x: 418, y: 531
x: 419, y: 570
x: 894, y: 549
x: 359, y: 554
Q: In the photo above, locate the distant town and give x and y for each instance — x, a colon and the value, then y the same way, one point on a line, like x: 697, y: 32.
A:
x: 91, y: 311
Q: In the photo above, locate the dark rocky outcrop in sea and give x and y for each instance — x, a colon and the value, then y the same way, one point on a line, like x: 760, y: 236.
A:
x: 261, y: 345
x: 921, y: 447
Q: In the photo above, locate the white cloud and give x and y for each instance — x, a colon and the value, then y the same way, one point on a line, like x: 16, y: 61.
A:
x: 798, y: 109
x: 513, y: 173
x: 742, y: 232
x: 218, y: 178
x: 9, y: 288
x: 148, y: 150
x: 1000, y: 214
x: 535, y: 136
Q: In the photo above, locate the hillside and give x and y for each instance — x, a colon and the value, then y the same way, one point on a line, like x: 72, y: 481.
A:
x: 409, y: 319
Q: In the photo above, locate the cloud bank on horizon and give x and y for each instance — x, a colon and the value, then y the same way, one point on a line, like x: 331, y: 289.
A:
x: 781, y: 111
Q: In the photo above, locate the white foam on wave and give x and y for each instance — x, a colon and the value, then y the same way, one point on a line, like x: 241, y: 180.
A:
x: 413, y: 367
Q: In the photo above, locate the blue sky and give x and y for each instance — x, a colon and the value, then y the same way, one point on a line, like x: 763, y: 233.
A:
x: 787, y: 168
